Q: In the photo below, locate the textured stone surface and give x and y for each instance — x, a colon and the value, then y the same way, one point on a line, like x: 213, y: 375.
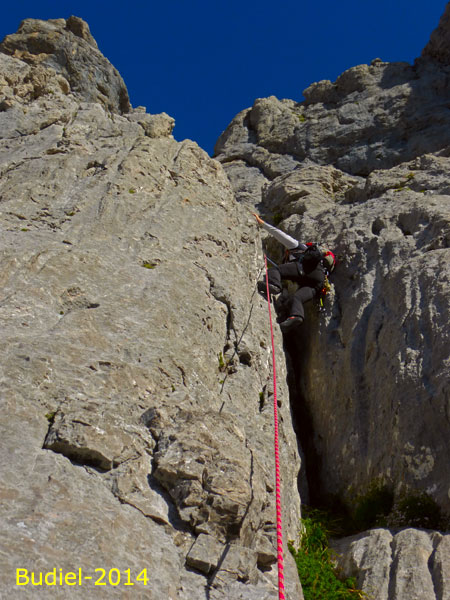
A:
x: 135, y: 360
x: 368, y: 119
x: 372, y: 117
x: 438, y: 48
x: 375, y: 371
x: 68, y: 48
x: 206, y: 553
x: 372, y: 373
x: 362, y: 165
x: 135, y: 365
x: 382, y: 406
x: 407, y: 565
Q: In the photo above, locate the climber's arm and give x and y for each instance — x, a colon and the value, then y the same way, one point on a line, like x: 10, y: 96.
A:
x: 288, y: 242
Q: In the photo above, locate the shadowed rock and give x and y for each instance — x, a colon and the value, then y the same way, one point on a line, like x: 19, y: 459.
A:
x: 438, y: 48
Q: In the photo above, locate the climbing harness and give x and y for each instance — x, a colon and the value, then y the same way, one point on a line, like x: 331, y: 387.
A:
x: 328, y: 258
x: 281, y: 595
x: 326, y: 288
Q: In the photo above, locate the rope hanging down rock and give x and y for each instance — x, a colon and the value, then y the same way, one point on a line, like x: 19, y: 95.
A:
x: 281, y: 595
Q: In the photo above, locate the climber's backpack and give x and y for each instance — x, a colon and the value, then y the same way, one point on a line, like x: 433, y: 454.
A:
x: 328, y: 258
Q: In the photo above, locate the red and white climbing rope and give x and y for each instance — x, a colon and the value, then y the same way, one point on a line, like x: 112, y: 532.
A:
x: 281, y: 595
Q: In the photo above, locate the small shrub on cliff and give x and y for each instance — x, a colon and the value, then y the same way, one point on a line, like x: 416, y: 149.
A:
x: 50, y: 416
x: 373, y: 507
x: 319, y: 578
x: 416, y: 510
x: 378, y: 508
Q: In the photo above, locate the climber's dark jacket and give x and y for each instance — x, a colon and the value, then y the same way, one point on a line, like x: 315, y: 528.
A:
x: 307, y: 271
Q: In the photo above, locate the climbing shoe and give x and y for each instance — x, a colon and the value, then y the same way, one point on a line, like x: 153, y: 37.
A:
x: 273, y: 289
x: 290, y: 323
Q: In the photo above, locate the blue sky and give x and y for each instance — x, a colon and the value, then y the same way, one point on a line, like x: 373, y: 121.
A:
x: 203, y: 61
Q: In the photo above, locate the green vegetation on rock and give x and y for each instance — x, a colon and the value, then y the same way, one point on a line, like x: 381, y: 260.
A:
x: 318, y: 575
x: 379, y: 507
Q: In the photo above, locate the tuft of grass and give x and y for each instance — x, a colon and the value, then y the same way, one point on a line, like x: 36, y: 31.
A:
x: 50, y: 416
x: 262, y: 401
x: 277, y: 218
x: 319, y: 578
x: 132, y: 191
x: 148, y: 265
x: 222, y: 363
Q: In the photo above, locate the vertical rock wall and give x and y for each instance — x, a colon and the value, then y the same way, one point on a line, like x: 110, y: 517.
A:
x: 363, y: 165
x: 137, y: 427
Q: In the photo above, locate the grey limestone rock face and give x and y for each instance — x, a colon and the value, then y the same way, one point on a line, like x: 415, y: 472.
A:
x: 382, y: 407
x: 411, y: 564
x: 373, y: 370
x: 366, y: 168
x: 438, y: 48
x: 67, y: 47
x: 136, y: 395
x: 372, y: 117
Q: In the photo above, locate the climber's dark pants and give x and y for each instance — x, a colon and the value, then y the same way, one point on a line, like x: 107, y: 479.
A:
x: 289, y: 271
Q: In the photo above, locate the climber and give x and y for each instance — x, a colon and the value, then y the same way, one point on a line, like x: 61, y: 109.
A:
x: 303, y: 266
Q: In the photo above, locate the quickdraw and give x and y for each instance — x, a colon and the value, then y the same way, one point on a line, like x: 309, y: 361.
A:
x: 323, y: 292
